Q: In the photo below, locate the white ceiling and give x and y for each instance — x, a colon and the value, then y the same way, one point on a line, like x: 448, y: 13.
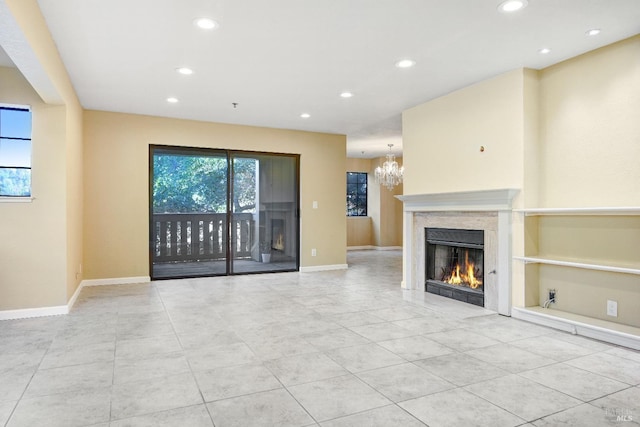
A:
x: 280, y: 58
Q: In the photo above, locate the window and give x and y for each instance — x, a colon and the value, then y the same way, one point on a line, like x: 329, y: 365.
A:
x: 356, y: 194
x: 15, y: 151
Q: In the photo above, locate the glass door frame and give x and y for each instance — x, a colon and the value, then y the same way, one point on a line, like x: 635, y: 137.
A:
x: 229, y: 156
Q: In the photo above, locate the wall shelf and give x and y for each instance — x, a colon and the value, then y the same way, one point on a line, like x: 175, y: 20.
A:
x: 594, y: 247
x: 621, y: 210
x: 587, y: 266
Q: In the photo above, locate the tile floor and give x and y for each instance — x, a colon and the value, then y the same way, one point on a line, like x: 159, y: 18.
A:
x: 336, y: 348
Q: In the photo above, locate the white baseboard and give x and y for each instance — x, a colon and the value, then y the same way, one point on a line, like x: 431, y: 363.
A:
x: 74, y: 297
x: 577, y: 328
x: 116, y: 281
x: 324, y: 268
x: 27, y: 313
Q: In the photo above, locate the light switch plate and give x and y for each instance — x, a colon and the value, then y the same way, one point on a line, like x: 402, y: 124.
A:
x: 612, y: 308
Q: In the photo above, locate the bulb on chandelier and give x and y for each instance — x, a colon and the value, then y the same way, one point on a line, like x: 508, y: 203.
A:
x: 390, y: 173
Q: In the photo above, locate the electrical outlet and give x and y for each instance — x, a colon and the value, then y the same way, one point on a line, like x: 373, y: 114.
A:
x: 552, y: 295
x: 612, y: 308
x: 313, y: 252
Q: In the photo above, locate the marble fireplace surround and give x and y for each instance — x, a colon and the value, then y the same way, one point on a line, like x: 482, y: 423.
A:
x: 488, y: 210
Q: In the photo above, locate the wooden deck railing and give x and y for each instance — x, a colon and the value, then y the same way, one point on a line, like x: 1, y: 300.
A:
x: 196, y: 236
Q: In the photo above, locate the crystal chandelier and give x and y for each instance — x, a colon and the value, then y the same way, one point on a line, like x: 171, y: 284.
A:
x: 389, y: 174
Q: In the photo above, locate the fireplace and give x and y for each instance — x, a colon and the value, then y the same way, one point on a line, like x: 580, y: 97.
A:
x: 455, y: 264
x: 486, y: 210
x: 277, y: 234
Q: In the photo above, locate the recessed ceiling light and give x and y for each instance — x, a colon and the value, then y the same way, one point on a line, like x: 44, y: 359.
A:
x: 512, y: 5
x: 184, y: 70
x: 206, y: 23
x: 346, y: 94
x: 305, y: 115
x: 405, y: 63
x: 544, y: 50
x: 172, y: 100
x: 593, y: 32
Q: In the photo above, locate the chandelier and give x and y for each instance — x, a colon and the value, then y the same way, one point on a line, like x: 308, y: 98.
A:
x: 389, y: 174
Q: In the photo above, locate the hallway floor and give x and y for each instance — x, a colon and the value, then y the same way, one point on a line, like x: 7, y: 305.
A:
x: 334, y: 348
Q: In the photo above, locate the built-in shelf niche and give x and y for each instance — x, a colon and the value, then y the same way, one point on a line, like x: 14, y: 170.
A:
x: 590, y: 263
x: 605, y: 254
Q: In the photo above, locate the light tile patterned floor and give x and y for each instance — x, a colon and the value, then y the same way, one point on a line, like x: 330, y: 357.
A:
x: 336, y: 348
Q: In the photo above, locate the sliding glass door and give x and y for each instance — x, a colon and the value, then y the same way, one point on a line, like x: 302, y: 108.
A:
x: 264, y: 234
x: 188, y: 212
x: 219, y: 212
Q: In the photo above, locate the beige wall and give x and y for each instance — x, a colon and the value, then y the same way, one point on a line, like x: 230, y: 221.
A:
x: 359, y: 232
x: 74, y: 197
x: 358, y: 165
x: 116, y: 195
x: 442, y: 138
x: 590, y: 132
x: 383, y: 225
x: 386, y: 213
x: 531, y: 136
x: 42, y: 240
x: 33, y: 235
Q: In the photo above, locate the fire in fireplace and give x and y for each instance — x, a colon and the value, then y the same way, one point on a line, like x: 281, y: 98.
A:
x: 455, y: 264
x: 277, y: 234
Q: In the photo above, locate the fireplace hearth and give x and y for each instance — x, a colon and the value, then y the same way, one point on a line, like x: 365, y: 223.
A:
x: 455, y: 264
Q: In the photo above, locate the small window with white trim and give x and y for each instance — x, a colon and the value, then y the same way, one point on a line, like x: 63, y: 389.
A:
x: 15, y: 151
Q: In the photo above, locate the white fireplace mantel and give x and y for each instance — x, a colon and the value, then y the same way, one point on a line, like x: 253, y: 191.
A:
x: 465, y: 201
x: 498, y: 201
